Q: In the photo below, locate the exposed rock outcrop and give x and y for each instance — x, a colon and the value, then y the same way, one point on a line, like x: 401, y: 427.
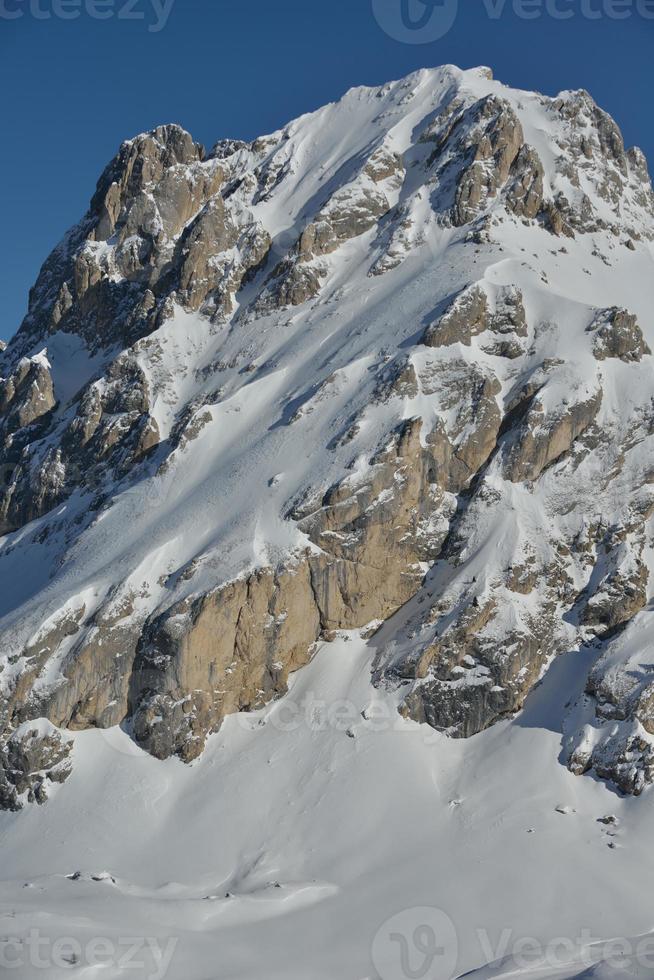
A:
x: 26, y: 396
x: 471, y: 313
x: 542, y: 437
x: 228, y: 651
x: 30, y: 759
x: 232, y: 650
x: 617, y: 334
x: 111, y: 427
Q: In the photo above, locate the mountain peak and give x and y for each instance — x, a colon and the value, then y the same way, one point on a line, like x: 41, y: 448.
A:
x: 390, y: 364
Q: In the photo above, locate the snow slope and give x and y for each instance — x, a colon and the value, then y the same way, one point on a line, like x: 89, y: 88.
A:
x: 354, y: 830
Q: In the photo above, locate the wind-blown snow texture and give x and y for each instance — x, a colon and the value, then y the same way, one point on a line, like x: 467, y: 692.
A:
x: 363, y: 408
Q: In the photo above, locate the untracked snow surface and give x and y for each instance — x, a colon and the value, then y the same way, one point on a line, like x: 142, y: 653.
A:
x: 291, y: 845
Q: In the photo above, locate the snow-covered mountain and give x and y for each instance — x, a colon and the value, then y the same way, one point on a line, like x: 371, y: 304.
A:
x: 328, y: 475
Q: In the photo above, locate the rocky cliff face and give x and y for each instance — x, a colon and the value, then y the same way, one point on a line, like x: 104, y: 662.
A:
x: 387, y: 365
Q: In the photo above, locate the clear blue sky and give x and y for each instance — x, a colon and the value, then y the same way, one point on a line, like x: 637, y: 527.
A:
x: 73, y: 89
